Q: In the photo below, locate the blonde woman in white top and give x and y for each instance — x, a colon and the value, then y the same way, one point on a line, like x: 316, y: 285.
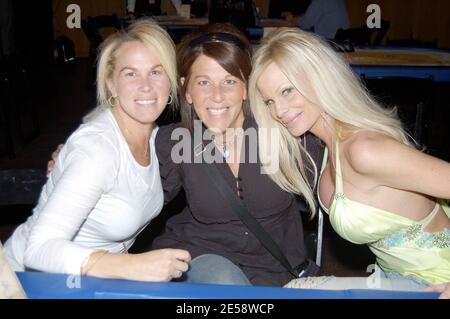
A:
x: 105, y: 187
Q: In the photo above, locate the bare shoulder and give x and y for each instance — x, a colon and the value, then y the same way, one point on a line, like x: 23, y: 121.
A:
x: 368, y: 152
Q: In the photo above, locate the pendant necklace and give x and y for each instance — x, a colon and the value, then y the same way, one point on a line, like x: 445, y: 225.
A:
x: 224, y: 148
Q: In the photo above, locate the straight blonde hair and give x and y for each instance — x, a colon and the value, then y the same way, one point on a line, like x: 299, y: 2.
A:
x: 152, y: 36
x: 330, y: 85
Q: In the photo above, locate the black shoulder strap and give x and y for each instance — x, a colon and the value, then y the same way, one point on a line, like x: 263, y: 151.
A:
x: 248, y: 220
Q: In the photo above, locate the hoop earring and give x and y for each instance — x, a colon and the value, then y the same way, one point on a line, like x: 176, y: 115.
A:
x: 110, y: 101
x: 170, y: 99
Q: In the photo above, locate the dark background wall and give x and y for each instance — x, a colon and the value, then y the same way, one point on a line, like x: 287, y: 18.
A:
x: 422, y: 19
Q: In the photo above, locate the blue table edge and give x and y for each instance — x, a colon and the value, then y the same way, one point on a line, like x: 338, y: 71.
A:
x: 40, y: 285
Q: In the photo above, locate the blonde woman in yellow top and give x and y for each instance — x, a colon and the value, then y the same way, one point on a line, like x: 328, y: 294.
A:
x: 377, y: 188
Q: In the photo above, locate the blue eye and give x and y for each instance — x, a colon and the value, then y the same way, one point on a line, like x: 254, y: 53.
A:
x: 203, y: 83
x: 287, y: 91
x: 155, y: 72
x: 229, y: 82
x: 131, y: 74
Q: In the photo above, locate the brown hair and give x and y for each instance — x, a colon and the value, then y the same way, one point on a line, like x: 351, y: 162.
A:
x: 233, y: 53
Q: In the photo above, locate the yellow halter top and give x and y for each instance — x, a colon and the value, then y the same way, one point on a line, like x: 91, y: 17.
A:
x: 400, y: 244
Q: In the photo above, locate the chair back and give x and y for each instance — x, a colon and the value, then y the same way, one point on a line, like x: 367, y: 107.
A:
x: 356, y: 36
x: 241, y: 13
x: 96, y: 29
x: 381, y: 32
x: 93, y: 26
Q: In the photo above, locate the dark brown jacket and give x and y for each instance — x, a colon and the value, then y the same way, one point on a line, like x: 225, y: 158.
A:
x: 209, y: 225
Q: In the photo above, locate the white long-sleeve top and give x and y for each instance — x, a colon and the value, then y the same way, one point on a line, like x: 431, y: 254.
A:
x: 96, y: 197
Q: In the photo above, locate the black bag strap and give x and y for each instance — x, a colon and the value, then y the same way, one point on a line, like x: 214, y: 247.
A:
x: 249, y: 221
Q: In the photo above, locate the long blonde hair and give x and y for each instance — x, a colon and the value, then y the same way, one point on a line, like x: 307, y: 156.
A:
x: 153, y: 37
x: 331, y: 85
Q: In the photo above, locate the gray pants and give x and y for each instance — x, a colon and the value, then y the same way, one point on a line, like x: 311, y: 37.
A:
x: 214, y: 269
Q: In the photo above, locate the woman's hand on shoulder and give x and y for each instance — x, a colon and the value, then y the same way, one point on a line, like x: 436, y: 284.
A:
x: 391, y: 163
x: 444, y: 289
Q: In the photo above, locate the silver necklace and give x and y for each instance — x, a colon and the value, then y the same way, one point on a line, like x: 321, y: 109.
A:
x: 146, y: 152
x: 126, y: 131
x: 224, y: 148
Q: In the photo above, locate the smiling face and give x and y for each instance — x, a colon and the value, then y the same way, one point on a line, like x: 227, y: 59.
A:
x: 139, y: 84
x: 285, y: 103
x: 216, y: 95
